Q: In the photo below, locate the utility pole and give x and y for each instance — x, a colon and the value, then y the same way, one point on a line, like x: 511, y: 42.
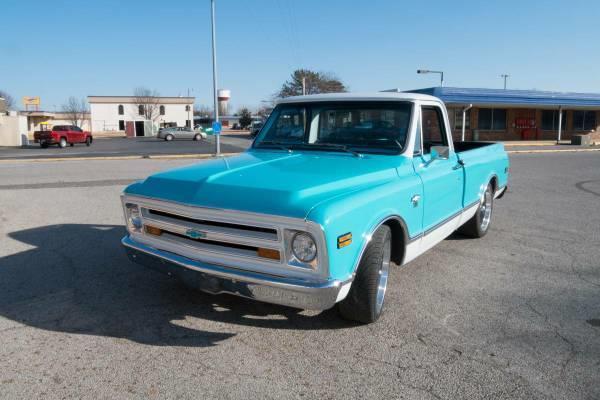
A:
x: 504, y: 76
x: 303, y: 85
x: 191, y: 122
x: 214, y: 63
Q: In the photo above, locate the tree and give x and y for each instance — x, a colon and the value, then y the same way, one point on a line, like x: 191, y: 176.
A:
x: 8, y: 99
x: 203, y: 112
x: 76, y: 110
x: 315, y: 82
x: 149, y: 101
x: 245, y: 117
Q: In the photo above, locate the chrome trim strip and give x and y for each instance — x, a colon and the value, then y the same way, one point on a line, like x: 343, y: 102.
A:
x: 446, y: 220
x: 302, y: 293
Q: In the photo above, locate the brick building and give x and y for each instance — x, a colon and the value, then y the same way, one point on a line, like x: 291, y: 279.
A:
x: 499, y: 114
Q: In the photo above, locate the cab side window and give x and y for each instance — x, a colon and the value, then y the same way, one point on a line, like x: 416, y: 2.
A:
x: 433, y: 129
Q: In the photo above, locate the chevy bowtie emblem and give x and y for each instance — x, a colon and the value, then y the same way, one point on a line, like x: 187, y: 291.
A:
x: 193, y: 234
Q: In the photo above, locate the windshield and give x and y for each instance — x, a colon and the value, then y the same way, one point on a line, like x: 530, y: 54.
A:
x: 364, y: 127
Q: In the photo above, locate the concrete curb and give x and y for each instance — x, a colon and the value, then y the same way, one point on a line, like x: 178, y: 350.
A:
x: 110, y: 158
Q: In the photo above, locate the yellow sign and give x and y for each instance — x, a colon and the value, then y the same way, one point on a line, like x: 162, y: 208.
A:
x: 31, y: 100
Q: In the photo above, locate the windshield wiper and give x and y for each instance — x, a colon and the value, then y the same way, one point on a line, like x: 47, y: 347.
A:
x: 275, y: 143
x: 336, y: 146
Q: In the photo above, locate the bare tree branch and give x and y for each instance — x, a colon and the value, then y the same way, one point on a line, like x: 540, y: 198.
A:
x: 76, y: 110
x: 149, y: 100
x: 8, y: 99
x: 203, y: 111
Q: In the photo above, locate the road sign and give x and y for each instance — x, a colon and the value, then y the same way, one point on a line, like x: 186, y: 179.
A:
x: 216, y: 127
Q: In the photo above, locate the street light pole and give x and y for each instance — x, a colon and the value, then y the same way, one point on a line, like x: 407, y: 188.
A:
x: 427, y: 71
x: 504, y: 76
x: 214, y: 64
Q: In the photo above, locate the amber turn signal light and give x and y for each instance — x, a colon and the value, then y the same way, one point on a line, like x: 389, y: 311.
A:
x: 344, y: 240
x: 152, y: 230
x: 268, y: 253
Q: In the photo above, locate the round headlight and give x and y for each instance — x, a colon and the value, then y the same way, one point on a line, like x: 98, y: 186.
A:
x: 136, y: 222
x: 304, y: 247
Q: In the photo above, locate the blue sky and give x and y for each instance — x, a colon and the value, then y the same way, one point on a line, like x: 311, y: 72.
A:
x: 57, y: 49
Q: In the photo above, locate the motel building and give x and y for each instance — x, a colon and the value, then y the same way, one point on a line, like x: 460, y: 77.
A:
x: 127, y: 113
x: 501, y: 114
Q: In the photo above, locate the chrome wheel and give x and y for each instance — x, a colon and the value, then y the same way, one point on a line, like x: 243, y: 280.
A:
x: 384, y: 272
x: 485, y: 210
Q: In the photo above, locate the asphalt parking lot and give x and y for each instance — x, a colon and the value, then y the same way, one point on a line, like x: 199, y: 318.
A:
x: 121, y: 146
x: 515, y: 315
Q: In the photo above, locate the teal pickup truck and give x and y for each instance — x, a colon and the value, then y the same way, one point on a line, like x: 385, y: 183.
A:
x: 334, y: 190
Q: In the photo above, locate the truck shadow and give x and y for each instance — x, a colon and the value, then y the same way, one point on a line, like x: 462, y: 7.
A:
x: 75, y: 278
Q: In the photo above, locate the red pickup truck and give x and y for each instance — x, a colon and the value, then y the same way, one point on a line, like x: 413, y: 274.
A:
x: 62, y: 135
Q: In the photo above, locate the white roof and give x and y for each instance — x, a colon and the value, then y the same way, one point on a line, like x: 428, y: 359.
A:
x: 372, y: 96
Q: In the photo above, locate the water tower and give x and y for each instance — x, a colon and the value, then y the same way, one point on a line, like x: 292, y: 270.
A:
x: 223, y: 96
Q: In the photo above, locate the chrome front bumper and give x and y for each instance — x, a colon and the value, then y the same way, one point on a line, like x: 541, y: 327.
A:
x: 215, y: 279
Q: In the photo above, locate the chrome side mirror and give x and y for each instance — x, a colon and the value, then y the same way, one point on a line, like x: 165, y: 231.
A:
x: 440, y: 152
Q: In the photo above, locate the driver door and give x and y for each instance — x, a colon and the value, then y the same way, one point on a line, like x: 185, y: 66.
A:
x: 442, y: 179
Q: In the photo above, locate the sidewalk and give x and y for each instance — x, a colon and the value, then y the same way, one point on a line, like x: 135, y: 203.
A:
x: 535, y: 143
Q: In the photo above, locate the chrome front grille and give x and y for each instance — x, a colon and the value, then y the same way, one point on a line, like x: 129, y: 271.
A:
x: 214, y: 236
x: 229, y: 238
x: 216, y: 229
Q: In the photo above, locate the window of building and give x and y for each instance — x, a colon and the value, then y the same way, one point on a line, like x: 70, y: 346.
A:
x: 432, y: 126
x: 458, y: 118
x: 121, y: 125
x: 550, y: 120
x: 140, y: 110
x: 584, y: 120
x: 492, y: 119
x: 121, y: 109
x: 161, y: 110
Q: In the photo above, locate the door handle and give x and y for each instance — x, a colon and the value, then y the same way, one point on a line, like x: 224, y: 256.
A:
x: 460, y: 164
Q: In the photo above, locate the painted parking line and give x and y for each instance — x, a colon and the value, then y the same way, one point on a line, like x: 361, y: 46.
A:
x: 551, y: 151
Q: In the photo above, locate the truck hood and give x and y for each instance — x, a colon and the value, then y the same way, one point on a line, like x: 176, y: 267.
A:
x: 274, y: 182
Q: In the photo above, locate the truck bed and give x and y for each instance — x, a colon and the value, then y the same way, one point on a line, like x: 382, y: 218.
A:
x: 466, y: 146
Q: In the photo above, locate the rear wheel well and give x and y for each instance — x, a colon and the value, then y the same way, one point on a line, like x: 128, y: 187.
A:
x: 398, y: 240
x: 494, y: 183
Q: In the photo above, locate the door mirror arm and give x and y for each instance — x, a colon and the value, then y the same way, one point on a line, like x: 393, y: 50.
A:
x: 438, y: 153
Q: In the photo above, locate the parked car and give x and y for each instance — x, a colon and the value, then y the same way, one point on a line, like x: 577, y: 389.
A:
x: 169, y: 134
x: 62, y: 135
x: 255, y: 128
x: 315, y: 213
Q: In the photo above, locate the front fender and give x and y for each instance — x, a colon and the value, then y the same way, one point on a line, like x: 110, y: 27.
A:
x: 360, y: 213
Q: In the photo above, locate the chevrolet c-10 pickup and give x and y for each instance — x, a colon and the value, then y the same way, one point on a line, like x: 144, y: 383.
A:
x: 334, y: 191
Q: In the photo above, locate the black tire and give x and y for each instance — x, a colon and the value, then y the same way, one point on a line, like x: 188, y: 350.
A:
x: 62, y: 143
x: 43, y: 145
x: 197, y: 137
x: 88, y: 141
x: 364, y: 302
x: 480, y: 223
x: 169, y: 137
